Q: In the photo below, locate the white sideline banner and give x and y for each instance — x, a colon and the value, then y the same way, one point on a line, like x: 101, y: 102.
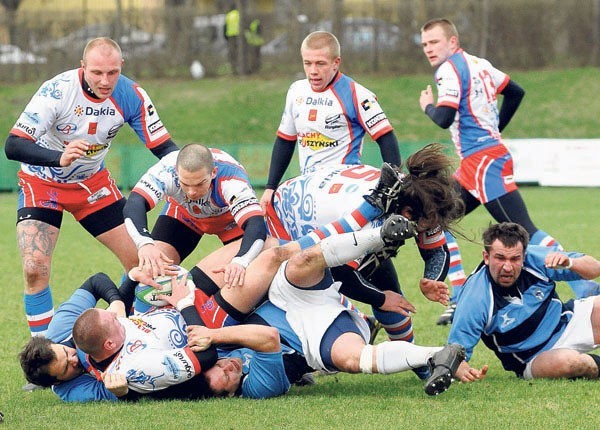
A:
x: 556, y: 162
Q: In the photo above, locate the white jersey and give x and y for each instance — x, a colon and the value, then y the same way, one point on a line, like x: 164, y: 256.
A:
x: 230, y: 190
x: 470, y: 85
x: 305, y: 202
x: 329, y: 126
x: 154, y: 355
x: 61, y: 112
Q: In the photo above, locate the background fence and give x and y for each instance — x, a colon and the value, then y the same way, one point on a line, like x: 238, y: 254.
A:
x: 161, y: 38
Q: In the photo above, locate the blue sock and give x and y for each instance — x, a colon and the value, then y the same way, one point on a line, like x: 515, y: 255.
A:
x: 39, y: 310
x: 456, y: 272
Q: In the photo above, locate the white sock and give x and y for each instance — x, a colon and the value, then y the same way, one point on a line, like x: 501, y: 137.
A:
x: 342, y: 248
x: 398, y: 356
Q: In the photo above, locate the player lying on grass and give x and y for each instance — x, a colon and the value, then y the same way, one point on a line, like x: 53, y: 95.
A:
x: 54, y: 360
x: 332, y: 338
x: 511, y: 304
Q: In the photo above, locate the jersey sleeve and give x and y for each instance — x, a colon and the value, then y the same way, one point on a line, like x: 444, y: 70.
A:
x: 41, y: 111
x: 266, y: 377
x: 241, y: 198
x: 159, y: 180
x: 61, y: 326
x: 471, y: 314
x: 153, y: 370
x: 84, y: 388
x: 448, y: 86
x: 287, y: 127
x: 370, y: 113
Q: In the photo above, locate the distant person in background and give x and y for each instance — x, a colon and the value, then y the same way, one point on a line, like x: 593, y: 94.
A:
x: 61, y: 139
x: 467, y: 90
x: 232, y: 34
x: 254, y: 39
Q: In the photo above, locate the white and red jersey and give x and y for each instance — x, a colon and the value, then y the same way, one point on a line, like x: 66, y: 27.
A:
x: 230, y: 190
x: 154, y: 355
x: 61, y: 112
x: 329, y: 126
x: 330, y: 200
x: 471, y: 85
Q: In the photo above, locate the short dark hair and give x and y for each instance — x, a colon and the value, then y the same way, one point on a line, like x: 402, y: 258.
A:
x: 508, y: 233
x: 35, y: 358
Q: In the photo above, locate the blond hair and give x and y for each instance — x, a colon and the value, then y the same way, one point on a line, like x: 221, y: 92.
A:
x: 320, y: 40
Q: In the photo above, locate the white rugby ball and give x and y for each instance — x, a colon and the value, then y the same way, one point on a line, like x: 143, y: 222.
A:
x: 149, y: 295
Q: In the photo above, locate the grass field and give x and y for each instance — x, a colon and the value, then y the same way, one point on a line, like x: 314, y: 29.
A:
x: 557, y: 104
x: 340, y: 401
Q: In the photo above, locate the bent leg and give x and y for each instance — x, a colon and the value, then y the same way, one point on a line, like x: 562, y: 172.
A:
x: 564, y: 363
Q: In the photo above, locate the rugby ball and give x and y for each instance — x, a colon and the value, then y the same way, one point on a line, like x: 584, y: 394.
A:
x: 149, y: 295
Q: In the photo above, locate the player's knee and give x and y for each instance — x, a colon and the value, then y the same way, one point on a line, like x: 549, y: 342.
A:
x: 36, y: 273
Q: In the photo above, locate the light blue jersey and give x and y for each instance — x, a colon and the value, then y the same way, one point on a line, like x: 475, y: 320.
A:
x: 516, y: 323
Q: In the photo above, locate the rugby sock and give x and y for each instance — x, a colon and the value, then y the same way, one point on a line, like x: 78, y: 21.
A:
x: 342, y: 248
x: 353, y: 221
x: 456, y: 272
x: 398, y: 327
x: 39, y: 310
x: 582, y: 288
x: 394, y: 357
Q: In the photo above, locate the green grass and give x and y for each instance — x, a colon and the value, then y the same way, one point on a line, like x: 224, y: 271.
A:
x: 339, y: 401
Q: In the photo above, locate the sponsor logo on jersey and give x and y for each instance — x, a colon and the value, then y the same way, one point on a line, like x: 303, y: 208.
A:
x: 78, y: 111
x: 113, y: 131
x: 319, y: 101
x: 242, y: 204
x: 136, y: 345
x: 508, y: 179
x: 149, y: 187
x: 187, y: 367
x: 92, y: 128
x: 367, y: 104
x: 100, y: 112
x: 26, y: 128
x: 372, y: 122
x: 506, y: 320
x: 171, y: 367
x: 33, y: 117
x: 151, y: 110
x: 95, y: 148
x: 155, y: 126
x: 66, y: 128
x: 333, y: 122
x: 312, y: 115
x: 142, y: 325
x: 316, y: 141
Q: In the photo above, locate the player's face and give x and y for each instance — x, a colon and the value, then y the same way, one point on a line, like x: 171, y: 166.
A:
x: 320, y: 67
x: 504, y: 263
x: 225, y: 376
x: 437, y: 46
x: 195, y: 184
x: 66, y: 366
x: 101, y: 69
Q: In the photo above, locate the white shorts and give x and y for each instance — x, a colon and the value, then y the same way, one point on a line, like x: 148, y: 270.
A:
x: 578, y: 335
x: 310, y: 313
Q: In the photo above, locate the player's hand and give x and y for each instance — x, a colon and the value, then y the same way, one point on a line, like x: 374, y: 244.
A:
x: 75, y: 150
x: 466, y: 373
x: 265, y: 200
x: 199, y: 337
x: 435, y: 291
x: 116, y: 383
x: 396, y: 302
x: 118, y: 307
x: 152, y: 260
x: 426, y: 98
x: 182, y: 292
x: 139, y: 275
x: 557, y: 260
x: 234, y: 274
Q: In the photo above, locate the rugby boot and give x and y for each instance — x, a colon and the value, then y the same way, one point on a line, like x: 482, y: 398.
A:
x: 385, y: 194
x: 444, y: 364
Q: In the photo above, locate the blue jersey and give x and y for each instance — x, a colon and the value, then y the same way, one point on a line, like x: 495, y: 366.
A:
x: 263, y: 373
x: 84, y: 387
x: 516, y: 323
